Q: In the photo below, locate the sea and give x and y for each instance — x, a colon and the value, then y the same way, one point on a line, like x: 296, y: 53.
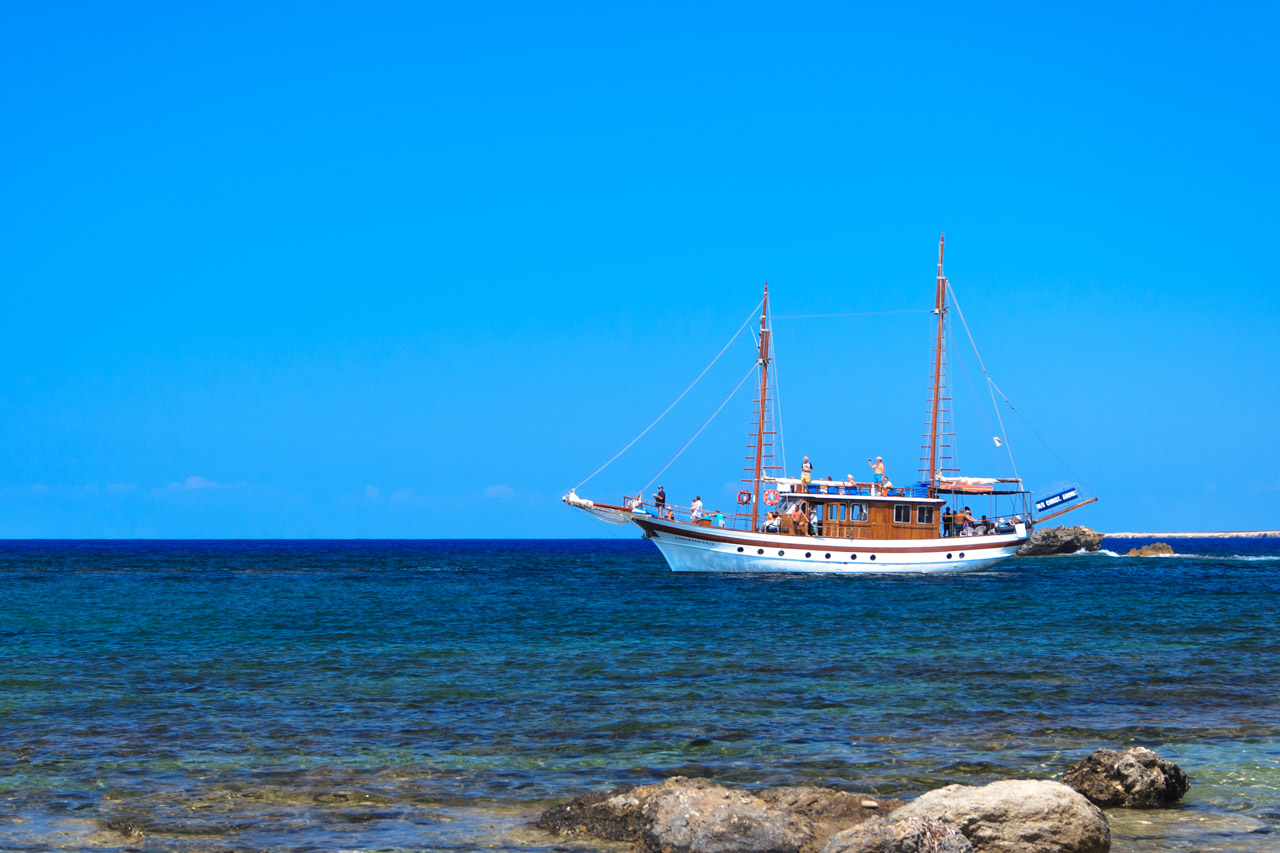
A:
x: 437, y: 695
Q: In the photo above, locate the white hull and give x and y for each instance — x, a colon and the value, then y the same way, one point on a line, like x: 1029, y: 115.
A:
x: 693, y: 548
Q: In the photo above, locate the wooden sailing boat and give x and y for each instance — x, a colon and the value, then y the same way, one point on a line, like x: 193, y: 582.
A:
x: 837, y: 526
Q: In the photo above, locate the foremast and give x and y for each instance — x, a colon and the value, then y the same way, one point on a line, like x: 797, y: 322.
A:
x: 939, y: 308
x: 763, y: 361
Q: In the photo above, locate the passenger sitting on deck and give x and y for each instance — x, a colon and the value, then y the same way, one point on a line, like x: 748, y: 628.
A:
x: 983, y: 527
x: 634, y: 503
x: 772, y: 522
x: 671, y: 514
x: 886, y: 486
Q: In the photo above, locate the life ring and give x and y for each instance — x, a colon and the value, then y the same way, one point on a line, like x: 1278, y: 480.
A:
x: 744, y: 497
x: 771, y: 497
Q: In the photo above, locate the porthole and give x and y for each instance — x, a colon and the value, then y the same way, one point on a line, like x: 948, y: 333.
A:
x: 855, y: 556
x: 807, y: 555
x: 828, y: 556
x: 873, y: 556
x: 962, y: 555
x: 781, y: 553
x: 948, y: 556
x: 760, y: 551
x: 740, y: 550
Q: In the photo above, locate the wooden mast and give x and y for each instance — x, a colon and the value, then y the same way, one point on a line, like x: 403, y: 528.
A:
x: 940, y: 308
x: 763, y: 361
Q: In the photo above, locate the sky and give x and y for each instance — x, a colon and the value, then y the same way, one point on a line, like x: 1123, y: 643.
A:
x: 414, y: 270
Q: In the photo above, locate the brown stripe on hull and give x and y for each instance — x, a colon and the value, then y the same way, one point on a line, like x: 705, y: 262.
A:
x: 847, y: 546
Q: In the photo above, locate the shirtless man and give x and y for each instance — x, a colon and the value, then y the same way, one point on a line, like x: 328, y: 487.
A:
x: 877, y: 468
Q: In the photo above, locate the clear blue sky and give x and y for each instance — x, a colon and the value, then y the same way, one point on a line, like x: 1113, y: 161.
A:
x: 413, y: 270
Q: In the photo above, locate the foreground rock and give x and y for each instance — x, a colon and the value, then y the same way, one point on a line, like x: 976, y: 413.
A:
x: 913, y: 835
x: 1061, y: 540
x: 1135, y: 778
x: 684, y: 819
x: 826, y: 812
x: 1017, y: 817
x: 1155, y: 549
x: 694, y: 815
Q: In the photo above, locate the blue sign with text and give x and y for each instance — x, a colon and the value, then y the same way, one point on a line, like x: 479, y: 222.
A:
x: 1058, y: 499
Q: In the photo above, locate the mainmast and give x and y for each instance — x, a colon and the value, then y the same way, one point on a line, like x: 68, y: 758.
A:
x: 763, y: 361
x: 940, y: 308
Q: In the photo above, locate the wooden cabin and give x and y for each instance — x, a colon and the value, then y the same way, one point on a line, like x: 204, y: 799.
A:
x: 862, y: 516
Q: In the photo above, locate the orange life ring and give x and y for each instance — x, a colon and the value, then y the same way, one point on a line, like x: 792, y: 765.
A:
x: 744, y: 497
x: 771, y: 497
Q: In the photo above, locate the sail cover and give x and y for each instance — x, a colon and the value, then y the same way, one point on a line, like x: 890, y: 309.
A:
x: 976, y: 481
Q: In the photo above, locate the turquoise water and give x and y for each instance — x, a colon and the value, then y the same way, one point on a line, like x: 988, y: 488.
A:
x: 436, y: 695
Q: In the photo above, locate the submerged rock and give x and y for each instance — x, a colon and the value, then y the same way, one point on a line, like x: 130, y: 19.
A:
x: 614, y: 815
x: 1135, y: 778
x: 1155, y: 549
x: 1014, y: 816
x: 912, y: 835
x: 1061, y: 540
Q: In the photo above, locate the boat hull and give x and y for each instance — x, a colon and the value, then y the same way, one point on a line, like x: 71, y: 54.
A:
x: 693, y: 548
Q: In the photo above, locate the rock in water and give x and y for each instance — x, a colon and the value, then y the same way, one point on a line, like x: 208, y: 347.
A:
x: 1031, y: 816
x: 824, y: 812
x: 913, y: 835
x: 1061, y: 540
x: 717, y: 820
x: 1155, y: 549
x: 1136, y: 778
x: 613, y: 816
x: 633, y: 813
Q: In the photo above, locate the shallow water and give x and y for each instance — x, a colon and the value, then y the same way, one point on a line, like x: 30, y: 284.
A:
x: 436, y: 695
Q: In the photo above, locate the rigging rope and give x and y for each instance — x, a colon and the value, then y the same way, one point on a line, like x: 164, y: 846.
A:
x: 750, y: 317
x: 991, y: 385
x: 700, y: 429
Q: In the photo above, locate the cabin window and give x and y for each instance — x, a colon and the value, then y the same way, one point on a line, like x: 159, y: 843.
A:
x: 902, y: 513
x: 857, y: 512
x: 831, y: 512
x: 843, y: 512
x: 924, y: 515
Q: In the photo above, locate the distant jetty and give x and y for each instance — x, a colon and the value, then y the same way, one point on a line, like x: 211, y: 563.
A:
x: 1223, y: 534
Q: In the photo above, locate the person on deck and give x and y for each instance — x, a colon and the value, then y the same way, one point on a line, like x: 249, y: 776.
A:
x: 660, y: 501
x: 877, y: 470
x: 671, y: 514
x: 695, y: 509
x: 947, y: 519
x: 799, y: 524
x: 806, y: 474
x: 719, y: 517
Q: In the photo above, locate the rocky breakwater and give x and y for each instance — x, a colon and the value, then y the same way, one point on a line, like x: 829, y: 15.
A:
x: 695, y: 816
x: 683, y: 815
x: 1061, y: 540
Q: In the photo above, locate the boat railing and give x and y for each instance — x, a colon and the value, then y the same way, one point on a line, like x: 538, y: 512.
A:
x: 835, y: 487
